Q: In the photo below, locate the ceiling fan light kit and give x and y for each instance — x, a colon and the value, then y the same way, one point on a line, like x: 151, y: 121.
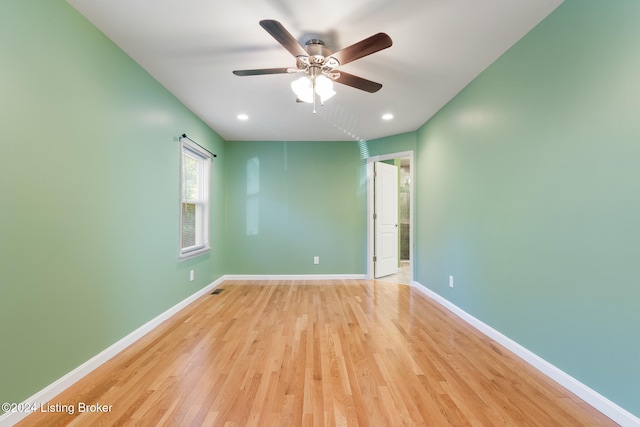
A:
x: 319, y: 64
x: 307, y: 87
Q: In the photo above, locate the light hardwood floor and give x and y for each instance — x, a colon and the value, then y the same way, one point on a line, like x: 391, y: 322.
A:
x: 294, y: 353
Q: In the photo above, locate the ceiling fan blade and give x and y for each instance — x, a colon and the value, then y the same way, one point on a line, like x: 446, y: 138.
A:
x: 373, y: 44
x: 358, y: 82
x: 261, y: 71
x: 283, y: 37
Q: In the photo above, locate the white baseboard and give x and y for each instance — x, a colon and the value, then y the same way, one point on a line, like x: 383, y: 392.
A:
x: 295, y: 277
x: 57, y: 387
x: 593, y: 398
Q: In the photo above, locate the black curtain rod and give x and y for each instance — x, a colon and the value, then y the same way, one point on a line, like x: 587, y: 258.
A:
x: 184, y: 135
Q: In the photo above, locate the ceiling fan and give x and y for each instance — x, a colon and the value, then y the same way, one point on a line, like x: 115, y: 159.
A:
x: 319, y: 65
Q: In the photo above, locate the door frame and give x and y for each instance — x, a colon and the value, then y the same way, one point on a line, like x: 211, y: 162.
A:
x: 371, y: 207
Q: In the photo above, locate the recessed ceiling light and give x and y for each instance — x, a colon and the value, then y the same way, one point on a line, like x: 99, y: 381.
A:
x: 243, y: 117
x: 387, y: 116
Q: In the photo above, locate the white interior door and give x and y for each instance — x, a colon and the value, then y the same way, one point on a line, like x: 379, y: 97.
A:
x: 385, y: 221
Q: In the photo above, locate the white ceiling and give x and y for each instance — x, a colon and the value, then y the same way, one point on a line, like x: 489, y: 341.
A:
x: 192, y: 46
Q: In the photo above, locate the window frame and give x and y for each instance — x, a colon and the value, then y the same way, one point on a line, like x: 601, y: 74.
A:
x: 203, y: 202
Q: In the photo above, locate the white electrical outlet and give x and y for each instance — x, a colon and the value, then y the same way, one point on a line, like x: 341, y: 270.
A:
x: 316, y: 260
x: 451, y: 281
x: 191, y: 276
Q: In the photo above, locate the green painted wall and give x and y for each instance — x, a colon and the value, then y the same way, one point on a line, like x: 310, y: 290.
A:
x: 528, y: 196
x: 310, y: 201
x: 88, y: 193
x: 307, y: 199
x: 391, y: 144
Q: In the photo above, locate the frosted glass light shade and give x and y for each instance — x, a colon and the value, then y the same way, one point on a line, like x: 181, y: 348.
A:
x: 324, y: 87
x: 303, y: 88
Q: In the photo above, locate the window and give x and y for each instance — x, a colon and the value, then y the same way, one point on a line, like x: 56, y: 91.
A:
x: 195, y: 174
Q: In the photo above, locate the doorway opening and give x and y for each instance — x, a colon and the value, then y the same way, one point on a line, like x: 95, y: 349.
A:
x: 380, y: 219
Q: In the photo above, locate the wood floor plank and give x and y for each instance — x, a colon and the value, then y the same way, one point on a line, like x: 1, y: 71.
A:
x: 318, y: 353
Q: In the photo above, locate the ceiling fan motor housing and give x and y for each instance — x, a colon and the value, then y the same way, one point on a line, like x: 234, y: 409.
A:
x: 319, y: 54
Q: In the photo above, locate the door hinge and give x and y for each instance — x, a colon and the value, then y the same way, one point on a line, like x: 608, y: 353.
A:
x: 375, y: 259
x: 375, y: 216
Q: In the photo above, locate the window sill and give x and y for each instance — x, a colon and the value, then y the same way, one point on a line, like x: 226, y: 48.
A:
x: 193, y: 254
